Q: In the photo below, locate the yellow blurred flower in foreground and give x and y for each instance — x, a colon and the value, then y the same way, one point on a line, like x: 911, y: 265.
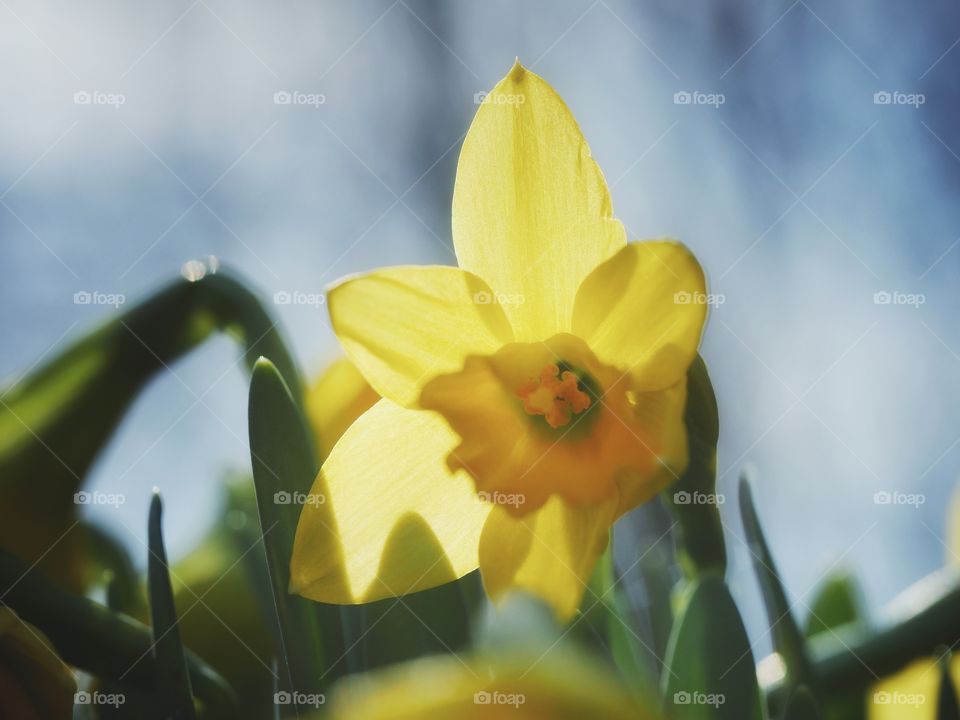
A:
x: 911, y: 694
x: 532, y: 395
x: 34, y: 682
x: 558, y: 685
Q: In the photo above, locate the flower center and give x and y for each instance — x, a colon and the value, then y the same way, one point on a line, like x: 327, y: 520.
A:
x: 556, y: 395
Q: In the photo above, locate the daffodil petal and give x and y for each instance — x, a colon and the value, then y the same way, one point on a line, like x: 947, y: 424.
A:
x: 661, y: 414
x: 531, y: 210
x: 385, y: 516
x: 401, y: 326
x: 338, y: 397
x: 550, y: 552
x: 643, y: 311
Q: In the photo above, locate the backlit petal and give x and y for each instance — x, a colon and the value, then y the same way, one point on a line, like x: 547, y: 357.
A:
x: 643, y: 310
x: 389, y: 518
x: 403, y: 325
x: 531, y: 210
x: 338, y: 397
x: 550, y: 553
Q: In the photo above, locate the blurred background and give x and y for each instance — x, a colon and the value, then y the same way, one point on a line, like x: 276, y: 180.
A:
x: 807, y: 152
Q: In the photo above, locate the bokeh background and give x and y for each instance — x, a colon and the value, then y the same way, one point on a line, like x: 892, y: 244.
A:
x: 802, y: 193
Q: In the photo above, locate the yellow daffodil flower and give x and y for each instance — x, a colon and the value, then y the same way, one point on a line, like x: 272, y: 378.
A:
x: 531, y: 395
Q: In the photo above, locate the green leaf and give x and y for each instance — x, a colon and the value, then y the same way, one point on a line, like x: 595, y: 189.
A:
x: 710, y: 666
x: 838, y: 601
x: 802, y: 706
x: 108, y: 645
x: 947, y: 707
x: 692, y: 500
x: 55, y: 421
x: 851, y: 658
x: 284, y: 466
x: 787, y: 639
x: 116, y: 567
x: 606, y: 610
x: 172, y: 677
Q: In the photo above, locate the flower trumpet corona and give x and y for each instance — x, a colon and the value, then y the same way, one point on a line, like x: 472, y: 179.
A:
x: 531, y: 395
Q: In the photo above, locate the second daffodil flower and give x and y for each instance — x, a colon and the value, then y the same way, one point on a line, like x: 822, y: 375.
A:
x: 531, y: 395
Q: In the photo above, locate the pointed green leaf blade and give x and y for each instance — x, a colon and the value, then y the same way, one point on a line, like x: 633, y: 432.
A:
x: 710, y: 665
x: 284, y: 467
x: 787, y: 639
x: 172, y: 678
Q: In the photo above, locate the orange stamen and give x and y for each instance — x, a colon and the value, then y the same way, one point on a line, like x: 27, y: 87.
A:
x: 557, y: 397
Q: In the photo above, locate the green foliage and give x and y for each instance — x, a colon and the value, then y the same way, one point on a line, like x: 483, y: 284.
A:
x: 55, y: 422
x: 787, y: 640
x: 710, y: 665
x: 172, y: 677
x: 310, y: 640
x: 700, y: 544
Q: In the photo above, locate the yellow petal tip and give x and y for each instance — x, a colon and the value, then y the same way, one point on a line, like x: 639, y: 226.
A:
x: 517, y: 71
